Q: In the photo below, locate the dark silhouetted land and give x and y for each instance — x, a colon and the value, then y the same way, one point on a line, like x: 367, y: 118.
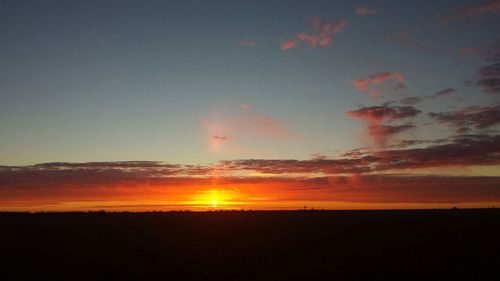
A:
x: 281, y: 245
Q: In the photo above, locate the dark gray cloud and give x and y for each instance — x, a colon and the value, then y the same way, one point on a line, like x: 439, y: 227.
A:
x: 388, y: 113
x: 348, y: 178
x: 474, y: 117
x: 448, y: 92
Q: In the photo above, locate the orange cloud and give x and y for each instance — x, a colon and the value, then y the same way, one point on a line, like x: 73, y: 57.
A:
x: 329, y: 29
x: 351, y: 178
x: 290, y: 44
x: 80, y: 186
x: 321, y: 35
x: 361, y: 84
x: 302, y: 36
x: 378, y: 79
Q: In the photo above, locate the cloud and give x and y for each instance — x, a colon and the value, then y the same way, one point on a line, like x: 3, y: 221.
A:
x: 444, y: 93
x: 378, y: 79
x: 361, y: 84
x: 474, y: 117
x: 32, y: 188
x: 490, y: 78
x: 491, y: 53
x: 289, y: 44
x: 328, y: 30
x: 405, y: 37
x: 460, y: 151
x: 247, y: 43
x: 245, y: 106
x: 490, y: 85
x: 411, y: 100
x: 220, y: 138
x: 292, y: 166
x: 321, y: 35
x: 466, y: 150
x: 492, y: 70
x: 448, y: 92
x: 108, y: 165
x: 412, y: 143
x: 471, y: 10
x: 377, y: 114
x: 354, y: 177
x: 472, y: 52
x: 365, y: 11
x: 382, y: 133
x: 241, y: 124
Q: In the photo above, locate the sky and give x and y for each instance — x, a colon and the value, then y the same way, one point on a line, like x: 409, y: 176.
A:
x: 169, y: 105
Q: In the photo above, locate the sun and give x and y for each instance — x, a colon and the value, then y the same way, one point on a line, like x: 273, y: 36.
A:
x: 215, y: 198
x: 214, y: 203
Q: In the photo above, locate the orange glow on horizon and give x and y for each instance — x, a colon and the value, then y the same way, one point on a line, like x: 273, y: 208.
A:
x: 259, y: 193
x: 214, y: 198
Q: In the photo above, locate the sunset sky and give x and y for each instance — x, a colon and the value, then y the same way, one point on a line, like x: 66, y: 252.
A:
x: 174, y: 105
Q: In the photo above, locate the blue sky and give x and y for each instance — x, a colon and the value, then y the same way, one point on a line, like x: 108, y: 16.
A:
x: 133, y: 80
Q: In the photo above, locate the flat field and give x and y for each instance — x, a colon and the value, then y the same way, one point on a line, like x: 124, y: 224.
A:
x: 252, y: 245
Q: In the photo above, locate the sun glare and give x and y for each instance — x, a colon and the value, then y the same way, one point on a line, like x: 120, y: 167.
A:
x: 214, y: 203
x: 214, y: 199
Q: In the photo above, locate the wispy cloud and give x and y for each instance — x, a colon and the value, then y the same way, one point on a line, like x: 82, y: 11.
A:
x: 492, y: 53
x: 489, y: 79
x: 365, y: 11
x: 490, y: 85
x: 473, y: 117
x: 411, y: 100
x: 321, y: 35
x: 289, y: 44
x: 491, y: 6
x: 377, y: 79
x: 472, y: 52
x: 247, y: 43
x: 227, y: 127
x: 490, y: 71
x: 382, y: 133
x: 377, y: 114
x: 489, y: 76
x: 445, y: 93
